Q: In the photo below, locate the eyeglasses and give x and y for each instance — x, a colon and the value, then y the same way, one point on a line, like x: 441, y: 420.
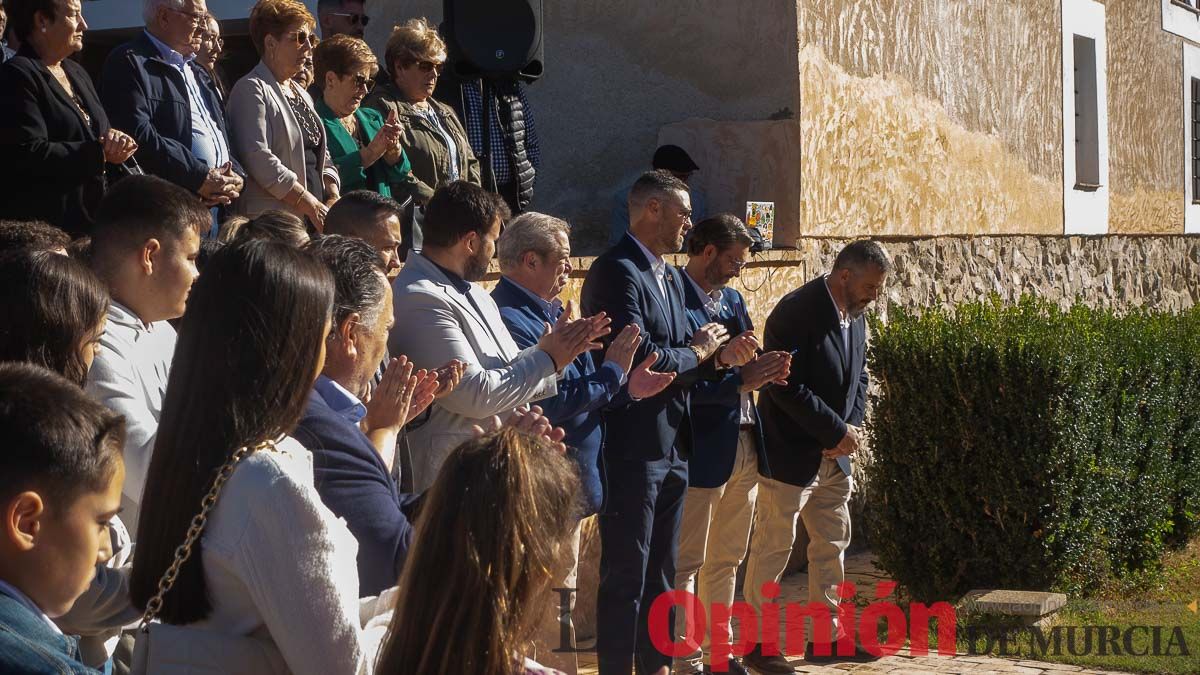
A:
x: 302, y: 37
x: 197, y: 19
x: 356, y: 19
x: 364, y: 82
x: 430, y: 66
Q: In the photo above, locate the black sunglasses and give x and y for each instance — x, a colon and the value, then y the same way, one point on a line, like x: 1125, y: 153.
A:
x: 356, y: 19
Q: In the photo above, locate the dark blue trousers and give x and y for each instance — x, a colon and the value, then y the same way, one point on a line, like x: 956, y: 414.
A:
x: 639, y: 537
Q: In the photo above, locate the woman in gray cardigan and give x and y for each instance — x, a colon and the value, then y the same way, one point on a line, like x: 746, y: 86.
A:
x: 274, y: 130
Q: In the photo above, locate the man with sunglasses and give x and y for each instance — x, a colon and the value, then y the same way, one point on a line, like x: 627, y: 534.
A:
x: 342, y: 17
x: 153, y: 87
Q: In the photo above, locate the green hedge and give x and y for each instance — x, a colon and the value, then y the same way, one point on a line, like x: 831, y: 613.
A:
x: 1027, y: 447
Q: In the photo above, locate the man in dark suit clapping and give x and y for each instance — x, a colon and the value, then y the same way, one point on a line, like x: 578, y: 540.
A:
x: 811, y: 427
x: 647, y: 476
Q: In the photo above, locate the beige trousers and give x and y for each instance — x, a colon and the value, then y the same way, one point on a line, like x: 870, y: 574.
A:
x: 713, y: 536
x: 824, y: 507
x: 549, y: 636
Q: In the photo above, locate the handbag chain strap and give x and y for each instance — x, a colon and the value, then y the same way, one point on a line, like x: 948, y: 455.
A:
x: 195, y: 529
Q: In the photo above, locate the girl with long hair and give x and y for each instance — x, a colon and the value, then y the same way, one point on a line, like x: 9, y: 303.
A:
x: 493, y: 530
x: 272, y: 564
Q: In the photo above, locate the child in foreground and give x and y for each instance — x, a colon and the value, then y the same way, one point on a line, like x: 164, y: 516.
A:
x: 60, y: 484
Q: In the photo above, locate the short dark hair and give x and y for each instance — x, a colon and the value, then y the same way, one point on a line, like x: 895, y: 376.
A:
x: 270, y: 224
x: 326, y: 5
x: 356, y: 212
x: 49, y: 305
x: 138, y: 208
x: 858, y: 254
x: 58, y: 441
x: 458, y: 209
x: 248, y: 351
x: 657, y: 183
x: 359, y: 276
x: 723, y: 231
x: 33, y: 235
x: 21, y: 15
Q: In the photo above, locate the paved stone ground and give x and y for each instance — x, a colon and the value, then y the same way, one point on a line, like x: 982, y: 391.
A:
x: 861, y: 570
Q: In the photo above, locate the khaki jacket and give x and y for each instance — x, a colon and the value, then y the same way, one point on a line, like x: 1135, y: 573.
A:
x: 426, y: 149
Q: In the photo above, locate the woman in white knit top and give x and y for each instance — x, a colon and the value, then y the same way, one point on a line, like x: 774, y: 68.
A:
x: 272, y: 585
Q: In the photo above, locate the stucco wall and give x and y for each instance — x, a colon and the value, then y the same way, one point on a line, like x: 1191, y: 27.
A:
x: 913, y: 117
x: 1145, y: 118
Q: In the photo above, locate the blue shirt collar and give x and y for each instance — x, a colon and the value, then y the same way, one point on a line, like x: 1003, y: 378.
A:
x: 16, y: 594
x: 552, y: 309
x: 340, y: 400
x: 168, y: 53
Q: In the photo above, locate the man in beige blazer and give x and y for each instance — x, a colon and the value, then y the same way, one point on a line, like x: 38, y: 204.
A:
x: 442, y: 314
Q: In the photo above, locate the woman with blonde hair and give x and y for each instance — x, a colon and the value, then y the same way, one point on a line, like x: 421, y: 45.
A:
x: 493, y: 530
x: 434, y: 138
x: 274, y: 130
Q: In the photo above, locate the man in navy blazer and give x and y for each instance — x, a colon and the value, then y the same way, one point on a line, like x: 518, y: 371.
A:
x: 811, y: 427
x: 647, y: 474
x: 151, y: 88
x: 535, y: 259
x: 351, y: 466
x: 726, y: 438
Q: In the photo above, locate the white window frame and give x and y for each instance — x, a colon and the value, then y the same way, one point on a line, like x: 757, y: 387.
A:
x: 1191, y: 69
x: 1085, y: 211
x: 1182, y: 17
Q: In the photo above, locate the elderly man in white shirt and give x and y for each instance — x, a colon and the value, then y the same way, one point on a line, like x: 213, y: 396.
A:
x: 442, y: 315
x: 144, y: 247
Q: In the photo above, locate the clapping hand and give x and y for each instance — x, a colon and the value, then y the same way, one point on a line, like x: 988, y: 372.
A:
x: 449, y: 376
x: 389, y: 404
x: 569, y: 338
x: 424, y: 393
x: 644, y: 383
x: 708, y: 339
x: 738, y: 351
x: 769, y: 368
x: 531, y: 422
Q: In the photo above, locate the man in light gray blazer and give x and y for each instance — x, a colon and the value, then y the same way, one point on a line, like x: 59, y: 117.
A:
x: 441, y: 315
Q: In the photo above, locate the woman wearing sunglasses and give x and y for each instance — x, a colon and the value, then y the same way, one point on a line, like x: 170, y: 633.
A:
x: 274, y: 129
x: 364, y: 146
x: 434, y: 138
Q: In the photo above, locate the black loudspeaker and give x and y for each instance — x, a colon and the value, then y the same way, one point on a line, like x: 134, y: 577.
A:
x: 494, y: 38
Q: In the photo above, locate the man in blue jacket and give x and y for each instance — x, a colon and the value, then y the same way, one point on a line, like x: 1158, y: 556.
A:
x: 153, y: 90
x: 353, y: 442
x: 535, y: 259
x: 726, y: 437
x: 647, y: 470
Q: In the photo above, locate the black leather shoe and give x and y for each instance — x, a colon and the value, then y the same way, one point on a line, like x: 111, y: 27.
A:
x: 860, y: 655
x: 735, y: 668
x: 768, y: 665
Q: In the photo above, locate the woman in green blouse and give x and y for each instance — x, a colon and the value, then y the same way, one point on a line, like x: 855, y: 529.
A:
x: 363, y: 145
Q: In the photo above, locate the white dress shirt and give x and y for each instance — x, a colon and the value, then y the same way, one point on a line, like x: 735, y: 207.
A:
x: 657, y: 265
x: 129, y: 376
x: 714, y: 305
